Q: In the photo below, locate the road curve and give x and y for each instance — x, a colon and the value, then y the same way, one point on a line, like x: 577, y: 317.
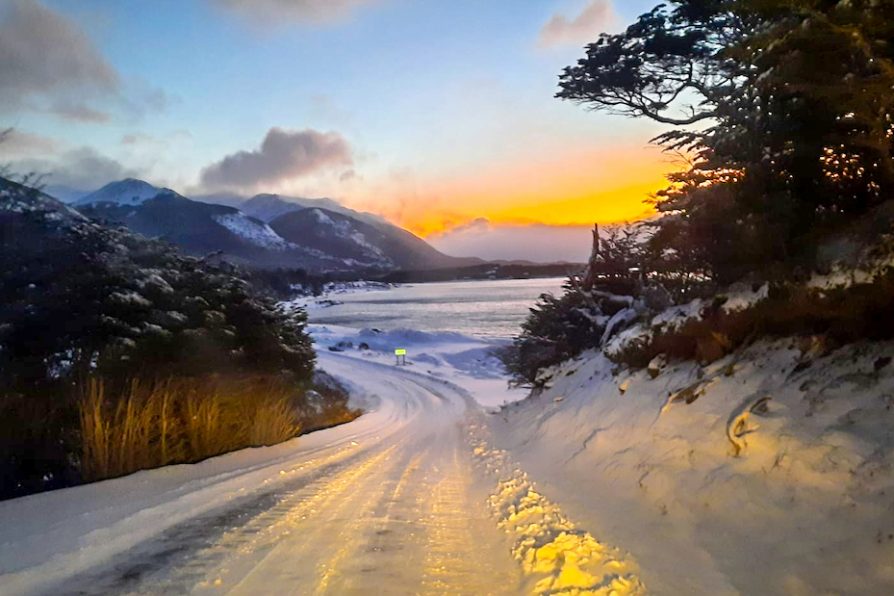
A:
x: 408, y: 499
x: 388, y: 503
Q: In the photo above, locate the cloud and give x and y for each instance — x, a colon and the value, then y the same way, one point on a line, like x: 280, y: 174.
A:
x: 137, y: 139
x: 479, y: 225
x: 82, y: 168
x: 16, y: 143
x: 596, y: 17
x: 295, y: 11
x: 284, y: 155
x: 534, y: 242
x: 45, y: 56
x: 79, y: 112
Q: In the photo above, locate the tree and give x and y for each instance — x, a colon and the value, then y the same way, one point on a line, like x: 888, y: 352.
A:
x: 593, y: 307
x: 785, y: 109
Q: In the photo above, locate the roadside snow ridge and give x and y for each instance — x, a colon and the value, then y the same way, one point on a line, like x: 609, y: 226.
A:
x: 556, y: 556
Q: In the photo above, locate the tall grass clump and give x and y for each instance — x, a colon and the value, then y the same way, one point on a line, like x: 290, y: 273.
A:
x: 146, y: 424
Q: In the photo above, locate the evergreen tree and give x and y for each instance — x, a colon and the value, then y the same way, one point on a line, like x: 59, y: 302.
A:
x: 784, y: 107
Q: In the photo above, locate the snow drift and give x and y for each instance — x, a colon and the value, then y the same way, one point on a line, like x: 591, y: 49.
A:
x: 769, y: 471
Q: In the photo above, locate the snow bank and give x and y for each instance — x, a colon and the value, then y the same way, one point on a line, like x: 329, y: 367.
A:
x: 554, y: 553
x: 766, y: 472
x: 47, y: 537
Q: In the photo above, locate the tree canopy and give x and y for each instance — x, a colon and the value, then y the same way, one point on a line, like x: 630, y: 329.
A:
x: 784, y: 109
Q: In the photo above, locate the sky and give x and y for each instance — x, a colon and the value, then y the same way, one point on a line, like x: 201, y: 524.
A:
x: 439, y: 115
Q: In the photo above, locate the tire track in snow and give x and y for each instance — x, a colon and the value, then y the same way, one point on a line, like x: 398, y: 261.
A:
x: 297, y: 557
x: 175, y: 561
x: 458, y: 543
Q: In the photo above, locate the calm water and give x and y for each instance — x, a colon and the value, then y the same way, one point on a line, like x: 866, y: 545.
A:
x: 492, y: 309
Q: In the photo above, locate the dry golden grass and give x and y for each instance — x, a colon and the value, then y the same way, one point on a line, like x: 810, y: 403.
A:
x: 151, y: 424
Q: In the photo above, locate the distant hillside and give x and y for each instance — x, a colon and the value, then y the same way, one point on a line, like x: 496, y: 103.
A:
x: 268, y: 207
x: 201, y: 229
x: 124, y: 192
x: 347, y: 238
x: 485, y: 271
x: 320, y: 240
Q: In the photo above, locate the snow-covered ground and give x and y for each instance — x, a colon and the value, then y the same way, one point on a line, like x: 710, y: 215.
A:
x: 403, y: 500
x: 465, y: 361
x: 714, y: 489
x: 252, y: 230
x: 768, y: 472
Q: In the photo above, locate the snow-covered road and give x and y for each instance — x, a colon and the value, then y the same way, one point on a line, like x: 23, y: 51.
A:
x: 407, y: 499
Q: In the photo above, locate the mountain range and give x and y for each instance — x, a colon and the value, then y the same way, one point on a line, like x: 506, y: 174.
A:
x: 265, y: 231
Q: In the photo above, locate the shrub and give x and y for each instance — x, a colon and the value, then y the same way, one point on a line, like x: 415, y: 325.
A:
x: 840, y: 315
x: 81, y: 301
x: 606, y: 298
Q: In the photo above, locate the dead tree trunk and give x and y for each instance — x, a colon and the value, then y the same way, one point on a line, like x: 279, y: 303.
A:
x: 589, y: 274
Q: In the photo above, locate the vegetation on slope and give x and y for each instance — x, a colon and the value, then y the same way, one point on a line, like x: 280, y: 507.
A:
x: 784, y: 114
x: 117, y: 353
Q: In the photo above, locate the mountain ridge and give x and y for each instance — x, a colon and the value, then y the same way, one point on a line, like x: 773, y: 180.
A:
x: 327, y: 238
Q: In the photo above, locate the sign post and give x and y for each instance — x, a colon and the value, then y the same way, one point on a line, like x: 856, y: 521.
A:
x: 400, y: 355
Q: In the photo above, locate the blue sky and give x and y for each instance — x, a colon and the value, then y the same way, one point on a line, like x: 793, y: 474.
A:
x: 439, y: 103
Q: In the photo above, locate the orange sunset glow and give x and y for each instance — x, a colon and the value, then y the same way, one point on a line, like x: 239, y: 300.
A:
x: 603, y: 185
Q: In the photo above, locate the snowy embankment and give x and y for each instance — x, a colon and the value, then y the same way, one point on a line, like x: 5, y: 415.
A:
x: 767, y: 472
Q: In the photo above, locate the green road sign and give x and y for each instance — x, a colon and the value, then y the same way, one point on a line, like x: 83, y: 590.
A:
x: 400, y: 352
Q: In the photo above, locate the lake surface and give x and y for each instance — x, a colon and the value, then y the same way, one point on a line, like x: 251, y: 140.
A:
x: 489, y: 309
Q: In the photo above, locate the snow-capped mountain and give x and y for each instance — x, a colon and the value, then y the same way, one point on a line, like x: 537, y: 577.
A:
x: 202, y: 228
x: 124, y: 192
x: 268, y: 207
x: 358, y: 241
x: 296, y: 237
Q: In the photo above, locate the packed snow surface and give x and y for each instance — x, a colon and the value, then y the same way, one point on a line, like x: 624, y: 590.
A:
x: 768, y: 472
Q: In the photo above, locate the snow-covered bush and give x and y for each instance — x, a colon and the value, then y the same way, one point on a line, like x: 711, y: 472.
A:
x: 606, y: 299
x: 79, y: 300
x: 709, y: 330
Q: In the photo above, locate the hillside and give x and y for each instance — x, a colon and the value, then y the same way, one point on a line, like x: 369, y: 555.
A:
x: 202, y: 228
x: 268, y: 207
x: 93, y: 317
x: 123, y: 192
x: 329, y: 239
x: 385, y: 247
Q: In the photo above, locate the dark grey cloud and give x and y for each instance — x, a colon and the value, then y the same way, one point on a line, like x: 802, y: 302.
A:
x: 283, y: 155
x: 82, y: 168
x: 296, y: 11
x: 16, y: 143
x: 44, y: 55
x: 80, y: 112
x: 596, y: 17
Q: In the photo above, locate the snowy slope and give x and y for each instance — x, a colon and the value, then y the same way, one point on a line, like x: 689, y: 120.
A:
x: 389, y: 500
x: 268, y: 207
x: 123, y: 192
x: 409, y: 498
x: 251, y: 230
x: 713, y: 489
